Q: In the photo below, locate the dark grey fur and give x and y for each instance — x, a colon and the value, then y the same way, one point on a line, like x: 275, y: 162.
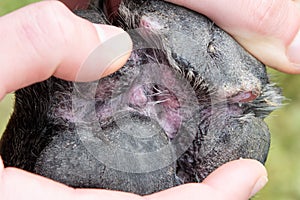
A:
x: 41, y: 135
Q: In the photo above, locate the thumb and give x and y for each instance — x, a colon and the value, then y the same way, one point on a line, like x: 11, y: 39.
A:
x: 239, y: 179
x: 46, y: 38
x: 269, y: 29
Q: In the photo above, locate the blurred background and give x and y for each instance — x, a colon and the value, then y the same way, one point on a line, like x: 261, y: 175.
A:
x: 283, y: 163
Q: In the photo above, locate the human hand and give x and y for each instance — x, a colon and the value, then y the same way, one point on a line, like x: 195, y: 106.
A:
x: 238, y: 179
x: 47, y: 39
x: 269, y: 30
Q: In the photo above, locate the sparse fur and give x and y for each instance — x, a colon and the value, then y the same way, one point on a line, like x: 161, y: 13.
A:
x: 194, y: 80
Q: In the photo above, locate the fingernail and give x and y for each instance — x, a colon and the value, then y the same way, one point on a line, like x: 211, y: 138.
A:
x: 112, y: 53
x: 293, y: 52
x: 106, y: 32
x: 261, y: 182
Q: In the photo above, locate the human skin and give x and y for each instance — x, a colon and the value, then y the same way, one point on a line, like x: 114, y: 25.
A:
x: 214, y: 187
x: 221, y: 184
x: 267, y: 29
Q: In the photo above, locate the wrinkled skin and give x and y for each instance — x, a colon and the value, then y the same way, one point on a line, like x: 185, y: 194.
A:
x: 188, y: 100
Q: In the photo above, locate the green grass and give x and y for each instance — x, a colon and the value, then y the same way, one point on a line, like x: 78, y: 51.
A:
x: 283, y: 163
x: 7, y: 6
x: 5, y: 111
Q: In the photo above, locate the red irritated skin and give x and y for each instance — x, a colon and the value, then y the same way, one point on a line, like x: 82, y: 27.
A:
x: 188, y: 100
x: 243, y: 97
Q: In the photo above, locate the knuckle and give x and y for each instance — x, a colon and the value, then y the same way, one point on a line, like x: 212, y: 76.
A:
x: 267, y: 15
x: 44, y: 31
x: 61, y: 20
x: 44, y: 25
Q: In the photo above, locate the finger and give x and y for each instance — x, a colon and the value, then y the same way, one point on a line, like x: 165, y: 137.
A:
x: 297, y: 2
x: 18, y: 184
x: 45, y: 39
x: 238, y: 179
x: 268, y: 29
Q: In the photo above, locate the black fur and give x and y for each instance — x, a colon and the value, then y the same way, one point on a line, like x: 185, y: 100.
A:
x: 223, y: 94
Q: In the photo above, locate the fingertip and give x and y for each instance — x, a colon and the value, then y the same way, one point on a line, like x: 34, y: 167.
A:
x: 289, y: 68
x: 293, y: 51
x: 110, y: 55
x: 238, y: 167
x: 259, y: 184
x: 239, y: 179
x: 106, y: 32
x: 270, y: 51
x: 122, y: 44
